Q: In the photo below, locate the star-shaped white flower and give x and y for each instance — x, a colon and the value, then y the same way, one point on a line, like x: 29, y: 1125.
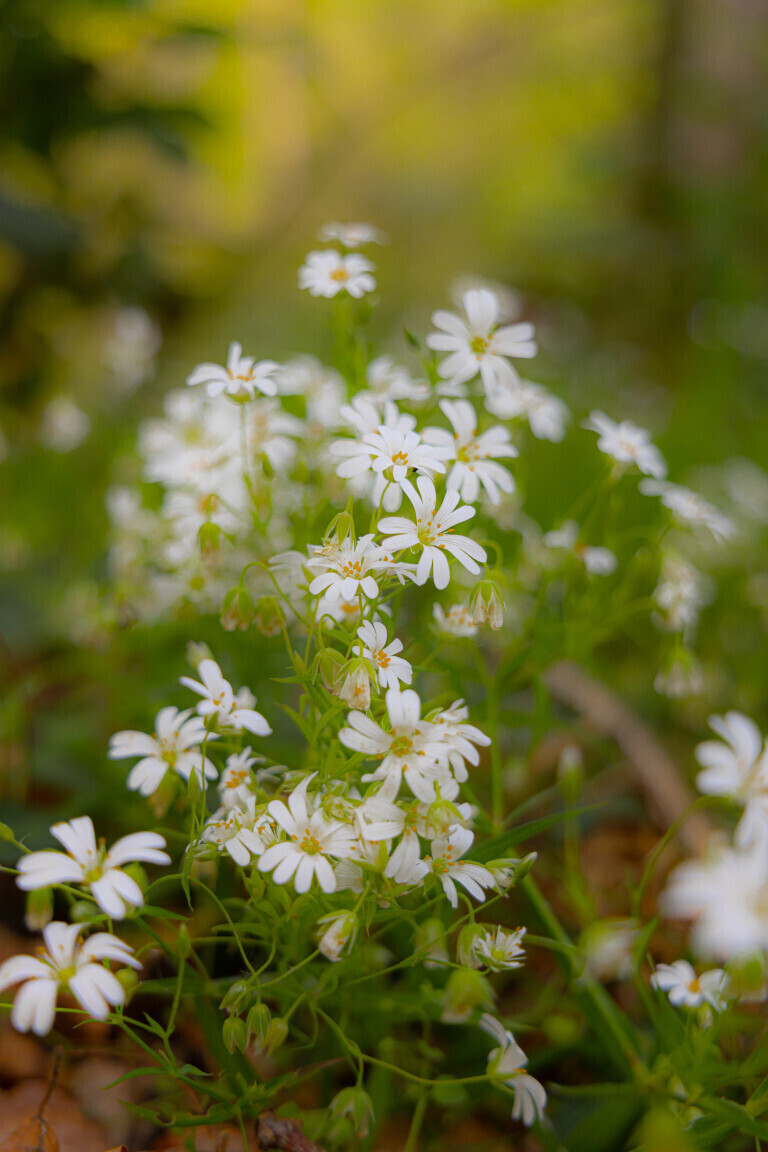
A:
x: 220, y: 702
x: 473, y: 453
x: 241, y: 378
x: 392, y: 669
x: 626, y: 443
x: 327, y: 273
x: 686, y: 989
x: 174, y: 747
x: 507, y: 1063
x: 92, y: 865
x: 478, y: 344
x: 313, y: 839
x: 689, y: 507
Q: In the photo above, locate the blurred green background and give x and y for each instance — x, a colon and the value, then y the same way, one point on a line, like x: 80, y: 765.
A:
x: 165, y: 165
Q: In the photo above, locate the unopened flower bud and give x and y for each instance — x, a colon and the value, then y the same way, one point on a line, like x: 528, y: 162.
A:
x: 197, y: 652
x: 137, y: 874
x: 277, y: 1033
x: 269, y: 616
x: 209, y: 538
x: 6, y: 833
x: 441, y: 817
x: 465, y: 944
x: 237, y: 609
x: 356, y: 1105
x: 82, y: 912
x: 237, y: 996
x: 430, y: 943
x: 504, y: 871
x: 339, y: 933
x: 183, y: 942
x: 234, y: 1034
x: 39, y: 909
x: 128, y: 981
x: 257, y: 1023
x: 356, y: 686
x: 487, y: 605
x: 466, y: 992
x: 329, y: 663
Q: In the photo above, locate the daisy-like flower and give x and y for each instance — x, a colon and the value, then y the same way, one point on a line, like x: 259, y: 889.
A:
x: 174, y: 746
x: 351, y: 235
x: 240, y: 832
x: 472, y: 453
x: 328, y: 273
x: 627, y: 444
x: 221, y: 703
x: 597, y: 561
x: 313, y: 839
x: 479, y: 344
x: 412, y: 748
x: 68, y: 964
x: 500, y: 950
x: 457, y: 621
x: 391, y: 454
x: 444, y: 861
x: 92, y: 865
x: 690, y: 508
x: 686, y: 989
x: 241, y: 378
x: 546, y: 414
x: 391, y: 668
x: 236, y: 783
x: 346, y: 569
x: 507, y: 1063
x: 432, y: 533
x: 460, y: 737
x: 736, y: 765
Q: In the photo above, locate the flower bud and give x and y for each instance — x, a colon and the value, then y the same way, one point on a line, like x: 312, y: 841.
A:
x: 128, y: 981
x: 183, y: 942
x: 39, y: 909
x: 466, y: 992
x: 237, y: 609
x: 356, y: 687
x: 82, y: 912
x: 329, y: 663
x: 355, y: 1104
x: 234, y: 1034
x: 487, y: 605
x: 138, y: 874
x: 441, y: 817
x: 339, y: 933
x: 277, y: 1033
x: 209, y: 538
x: 430, y: 943
x: 269, y: 616
x: 465, y: 944
x: 6, y: 833
x: 237, y: 996
x: 257, y: 1023
x: 197, y: 652
x: 505, y: 871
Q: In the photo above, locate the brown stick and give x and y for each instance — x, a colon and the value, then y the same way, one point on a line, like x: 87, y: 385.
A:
x: 287, y: 1135
x: 666, y: 791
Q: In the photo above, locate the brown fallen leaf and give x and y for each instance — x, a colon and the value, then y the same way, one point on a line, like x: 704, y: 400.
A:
x: 35, y: 1133
x: 287, y: 1135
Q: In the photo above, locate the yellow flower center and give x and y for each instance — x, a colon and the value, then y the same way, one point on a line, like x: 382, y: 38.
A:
x: 340, y: 275
x: 479, y: 346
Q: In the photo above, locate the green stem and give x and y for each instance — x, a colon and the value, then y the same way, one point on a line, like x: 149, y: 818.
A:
x: 411, y: 1143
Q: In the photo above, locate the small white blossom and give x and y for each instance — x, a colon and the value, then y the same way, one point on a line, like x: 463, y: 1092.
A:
x: 500, y: 950
x: 479, y: 345
x: 236, y: 783
x: 686, y: 989
x: 313, y: 839
x: 327, y: 273
x: 473, y: 453
x: 70, y: 965
x: 346, y: 569
x: 220, y: 703
x: 92, y: 865
x: 240, y: 831
x: 460, y: 737
x: 457, y: 621
x: 507, y: 1063
x: 597, y: 561
x: 389, y: 381
x: 351, y: 235
x: 736, y: 766
x: 432, y: 533
x: 444, y: 862
x: 681, y: 593
x: 627, y: 444
x: 241, y: 378
x: 392, y: 669
x: 175, y: 746
x: 690, y: 508
x: 546, y: 414
x: 392, y: 455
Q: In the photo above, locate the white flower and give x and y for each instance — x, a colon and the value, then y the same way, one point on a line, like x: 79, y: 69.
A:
x: 444, y: 862
x: 328, y: 273
x: 313, y: 839
x: 597, y: 561
x: 412, y: 748
x: 627, y: 444
x: 351, y: 235
x: 479, y: 345
x: 457, y: 621
x: 460, y: 737
x: 507, y: 1063
x: 500, y: 950
x: 92, y: 865
x: 240, y: 832
x: 473, y: 453
x: 689, y: 507
x: 688, y: 990
x: 241, y: 377
x: 737, y: 767
x: 66, y: 964
x: 391, y: 668
x: 724, y: 895
x: 236, y: 783
x: 608, y: 948
x: 338, y: 931
x: 175, y: 746
x: 546, y: 414
x: 347, y: 569
x: 432, y: 533
x: 356, y: 688
x: 364, y: 414
x: 267, y: 432
x: 391, y: 454
x: 64, y: 426
x: 680, y: 593
x: 221, y: 703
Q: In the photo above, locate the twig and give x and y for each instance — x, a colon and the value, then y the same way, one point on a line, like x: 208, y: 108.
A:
x: 666, y: 791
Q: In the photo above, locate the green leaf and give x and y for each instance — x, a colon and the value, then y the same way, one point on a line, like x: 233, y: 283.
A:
x: 496, y: 848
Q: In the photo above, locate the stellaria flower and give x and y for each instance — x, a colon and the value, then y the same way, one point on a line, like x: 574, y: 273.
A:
x: 175, y: 746
x: 241, y: 378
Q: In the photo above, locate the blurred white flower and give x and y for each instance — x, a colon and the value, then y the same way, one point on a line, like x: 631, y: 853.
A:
x: 457, y: 621
x: 473, y: 454
x: 690, y: 508
x: 351, y: 235
x: 507, y: 1063
x: 327, y: 273
x: 479, y: 345
x: 627, y: 444
x: 64, y: 426
x: 241, y: 378
x: 546, y: 414
x: 686, y: 989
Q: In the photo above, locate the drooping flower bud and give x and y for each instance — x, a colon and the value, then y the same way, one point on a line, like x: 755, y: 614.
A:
x: 237, y: 609
x: 39, y: 909
x: 441, y: 817
x: 466, y: 992
x: 356, y: 1105
x: 430, y: 943
x: 465, y: 943
x: 487, y: 604
x: 339, y: 933
x: 269, y: 616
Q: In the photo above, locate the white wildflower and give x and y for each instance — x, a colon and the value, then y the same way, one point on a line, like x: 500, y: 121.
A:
x: 473, y: 453
x: 626, y: 443
x: 327, y: 273
x: 313, y: 839
x: 507, y: 1063
x: 175, y: 746
x: 241, y: 378
x: 391, y: 668
x: 479, y: 345
x: 221, y: 704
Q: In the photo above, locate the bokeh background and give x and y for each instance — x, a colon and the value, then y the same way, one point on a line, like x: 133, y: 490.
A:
x: 165, y: 165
